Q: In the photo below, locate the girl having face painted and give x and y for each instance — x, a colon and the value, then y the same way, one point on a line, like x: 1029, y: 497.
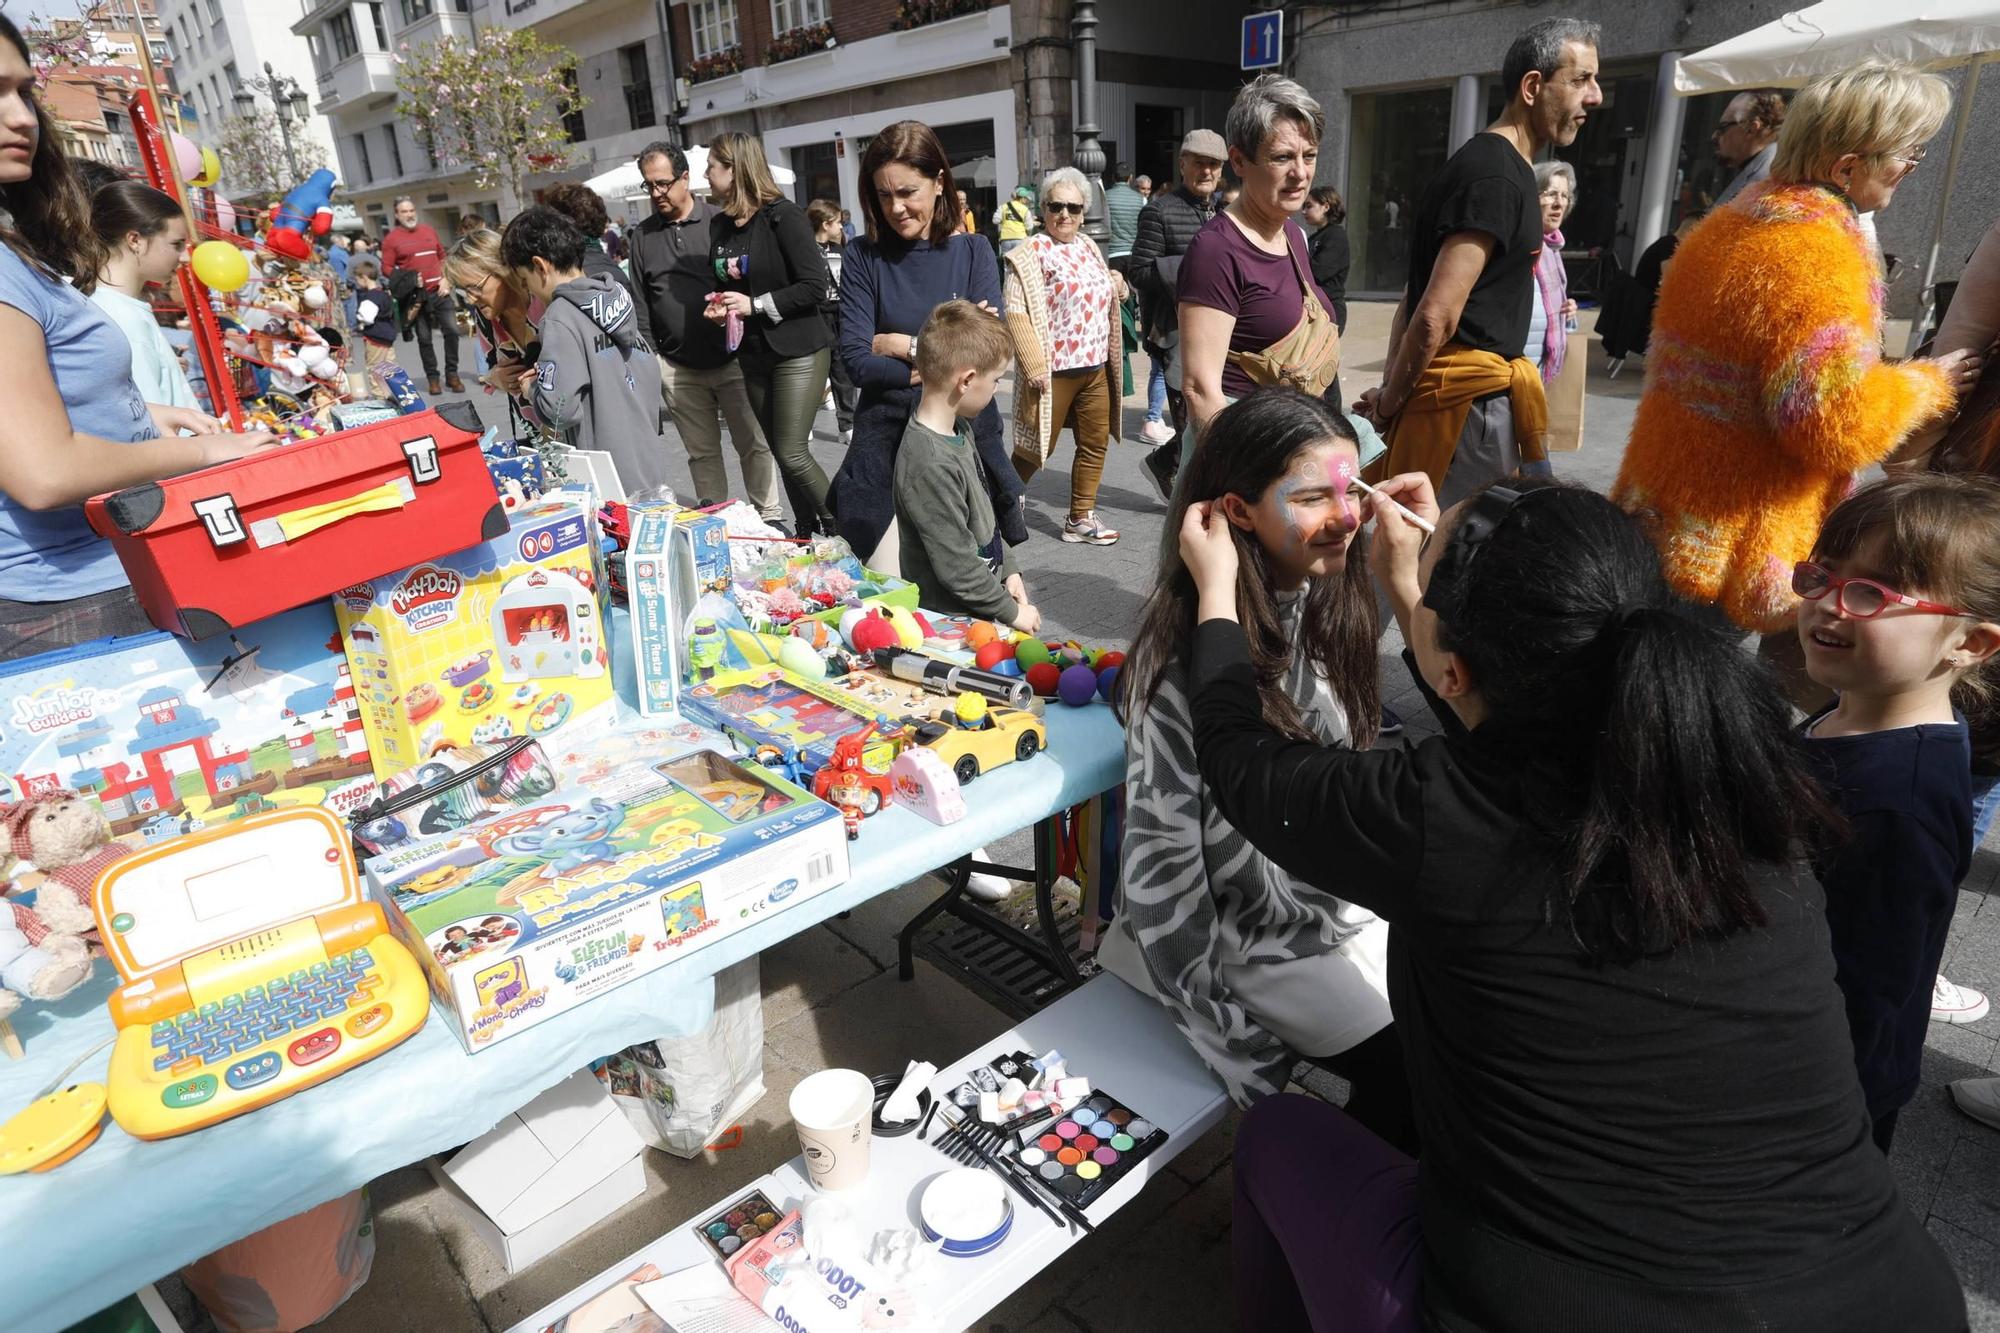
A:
x: 1256, y: 969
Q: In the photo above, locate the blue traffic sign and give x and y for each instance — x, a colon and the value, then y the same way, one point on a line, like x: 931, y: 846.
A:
x: 1264, y: 40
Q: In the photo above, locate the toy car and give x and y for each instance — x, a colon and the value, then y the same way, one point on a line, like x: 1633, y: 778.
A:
x: 1007, y: 734
x: 848, y: 781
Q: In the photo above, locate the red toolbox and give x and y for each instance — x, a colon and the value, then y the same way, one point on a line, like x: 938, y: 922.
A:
x: 231, y: 544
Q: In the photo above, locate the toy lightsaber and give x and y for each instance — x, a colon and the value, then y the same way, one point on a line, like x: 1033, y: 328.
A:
x: 949, y: 678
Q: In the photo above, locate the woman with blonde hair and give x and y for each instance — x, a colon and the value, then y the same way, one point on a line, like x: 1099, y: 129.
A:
x: 771, y: 277
x: 1062, y: 304
x: 1766, y: 391
x: 504, y: 316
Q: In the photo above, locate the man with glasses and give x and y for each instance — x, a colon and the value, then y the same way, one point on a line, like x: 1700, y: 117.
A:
x: 703, y: 384
x: 1166, y: 227
x: 1746, y: 139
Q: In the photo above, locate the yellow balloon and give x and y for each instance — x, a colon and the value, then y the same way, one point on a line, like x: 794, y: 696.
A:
x: 221, y: 266
x: 211, y: 169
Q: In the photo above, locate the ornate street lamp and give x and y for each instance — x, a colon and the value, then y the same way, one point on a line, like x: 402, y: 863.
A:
x: 1089, y: 153
x: 289, y: 100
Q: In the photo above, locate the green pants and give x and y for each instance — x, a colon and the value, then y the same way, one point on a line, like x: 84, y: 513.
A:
x: 785, y: 395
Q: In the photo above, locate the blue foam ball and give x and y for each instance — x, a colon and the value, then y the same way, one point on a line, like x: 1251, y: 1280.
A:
x: 1077, y: 685
x: 1107, y: 681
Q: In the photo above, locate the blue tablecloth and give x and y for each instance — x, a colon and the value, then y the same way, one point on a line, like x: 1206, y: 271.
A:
x: 126, y: 1212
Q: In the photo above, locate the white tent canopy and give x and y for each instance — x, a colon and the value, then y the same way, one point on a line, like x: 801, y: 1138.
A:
x: 623, y: 181
x: 1834, y: 34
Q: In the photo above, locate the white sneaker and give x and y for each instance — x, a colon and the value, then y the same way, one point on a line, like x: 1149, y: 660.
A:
x: 1953, y: 1003
x: 1156, y: 432
x: 988, y: 888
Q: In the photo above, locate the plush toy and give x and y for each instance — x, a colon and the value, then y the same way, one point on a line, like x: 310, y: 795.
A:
x: 45, y: 971
x: 308, y: 208
x: 69, y: 841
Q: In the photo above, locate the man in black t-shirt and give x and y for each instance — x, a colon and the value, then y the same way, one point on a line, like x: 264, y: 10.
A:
x: 1458, y: 399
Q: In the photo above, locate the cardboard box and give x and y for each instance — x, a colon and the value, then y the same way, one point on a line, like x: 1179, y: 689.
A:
x: 547, y: 1172
x: 168, y: 735
x: 505, y: 639
x: 656, y: 605
x: 525, y: 915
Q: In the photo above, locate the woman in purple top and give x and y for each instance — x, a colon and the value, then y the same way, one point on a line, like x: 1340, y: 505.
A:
x: 1243, y: 280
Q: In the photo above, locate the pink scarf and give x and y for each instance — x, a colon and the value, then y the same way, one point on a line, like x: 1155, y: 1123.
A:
x: 1549, y: 276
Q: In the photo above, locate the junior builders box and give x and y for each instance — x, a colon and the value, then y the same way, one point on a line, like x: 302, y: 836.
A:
x: 522, y: 916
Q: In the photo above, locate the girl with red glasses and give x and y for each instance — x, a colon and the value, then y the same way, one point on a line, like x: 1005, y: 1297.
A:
x: 1900, y: 616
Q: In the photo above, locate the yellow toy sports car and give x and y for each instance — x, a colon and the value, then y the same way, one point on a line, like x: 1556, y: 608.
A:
x: 1006, y: 734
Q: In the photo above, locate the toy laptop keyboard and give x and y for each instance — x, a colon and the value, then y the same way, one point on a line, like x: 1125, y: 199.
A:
x: 254, y: 967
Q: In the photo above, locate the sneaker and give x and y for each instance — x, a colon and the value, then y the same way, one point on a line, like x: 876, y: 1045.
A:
x: 1090, y: 529
x: 1979, y: 1098
x: 1156, y: 432
x: 987, y: 888
x: 1161, y: 465
x: 1392, y: 725
x: 1953, y: 1003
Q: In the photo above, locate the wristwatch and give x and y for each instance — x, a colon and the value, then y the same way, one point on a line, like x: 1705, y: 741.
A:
x: 913, y: 349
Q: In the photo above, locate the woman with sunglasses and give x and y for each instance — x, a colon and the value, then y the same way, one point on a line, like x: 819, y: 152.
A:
x: 1766, y: 390
x: 1062, y: 308
x: 1901, y: 618
x: 1608, y: 963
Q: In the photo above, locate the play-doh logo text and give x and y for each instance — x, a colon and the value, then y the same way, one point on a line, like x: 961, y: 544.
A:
x: 427, y: 597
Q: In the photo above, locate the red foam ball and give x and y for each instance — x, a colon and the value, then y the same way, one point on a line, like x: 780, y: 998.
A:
x: 1043, y: 679
x: 992, y: 653
x: 1109, y: 659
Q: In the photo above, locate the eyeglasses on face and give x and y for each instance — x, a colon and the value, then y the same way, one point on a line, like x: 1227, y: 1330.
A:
x: 661, y: 187
x: 1911, y: 158
x: 1724, y: 125
x: 1074, y: 210
x: 1861, y: 599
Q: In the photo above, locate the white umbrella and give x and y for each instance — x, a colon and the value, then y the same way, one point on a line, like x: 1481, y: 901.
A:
x: 980, y: 171
x: 1834, y: 34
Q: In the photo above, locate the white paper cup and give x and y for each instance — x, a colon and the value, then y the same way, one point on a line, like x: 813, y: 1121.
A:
x: 832, y: 1110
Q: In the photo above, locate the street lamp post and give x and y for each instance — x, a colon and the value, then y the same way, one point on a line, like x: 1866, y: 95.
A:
x: 1089, y: 153
x: 287, y: 98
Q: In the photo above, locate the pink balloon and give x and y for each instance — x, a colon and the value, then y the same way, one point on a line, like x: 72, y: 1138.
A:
x: 225, y: 215
x: 187, y: 156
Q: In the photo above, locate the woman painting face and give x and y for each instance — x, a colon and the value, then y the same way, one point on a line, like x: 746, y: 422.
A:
x: 20, y: 132
x: 908, y: 199
x: 1062, y: 212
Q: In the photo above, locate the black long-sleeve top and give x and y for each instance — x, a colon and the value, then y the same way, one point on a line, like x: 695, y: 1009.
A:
x: 1891, y: 887
x: 787, y: 276
x: 1673, y: 1144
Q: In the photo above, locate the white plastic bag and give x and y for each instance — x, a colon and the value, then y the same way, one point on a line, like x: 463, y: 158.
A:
x: 681, y: 1093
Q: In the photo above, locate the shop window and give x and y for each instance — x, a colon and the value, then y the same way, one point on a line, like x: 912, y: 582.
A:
x: 1397, y: 142
x: 712, y: 25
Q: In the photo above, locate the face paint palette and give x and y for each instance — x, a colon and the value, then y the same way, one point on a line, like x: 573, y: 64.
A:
x: 749, y: 1218
x: 1080, y: 1155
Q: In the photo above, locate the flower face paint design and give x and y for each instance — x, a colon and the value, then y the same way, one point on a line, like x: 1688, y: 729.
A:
x: 1340, y: 473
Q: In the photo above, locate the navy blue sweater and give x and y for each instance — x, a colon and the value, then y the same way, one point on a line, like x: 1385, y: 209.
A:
x: 890, y: 287
x: 1891, y: 887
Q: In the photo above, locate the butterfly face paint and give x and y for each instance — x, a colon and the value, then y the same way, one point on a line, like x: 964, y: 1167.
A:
x: 1340, y: 473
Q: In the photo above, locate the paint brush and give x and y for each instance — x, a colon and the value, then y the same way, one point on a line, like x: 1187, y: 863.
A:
x: 1423, y: 523
x: 1014, y: 1181
x: 997, y: 1142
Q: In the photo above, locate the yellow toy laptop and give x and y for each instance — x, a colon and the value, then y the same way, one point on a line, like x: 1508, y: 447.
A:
x: 254, y: 967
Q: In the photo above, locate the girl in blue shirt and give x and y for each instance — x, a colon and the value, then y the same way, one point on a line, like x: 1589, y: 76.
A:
x: 75, y: 424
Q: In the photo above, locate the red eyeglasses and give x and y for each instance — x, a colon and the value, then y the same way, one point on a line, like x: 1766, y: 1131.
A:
x: 1863, y: 599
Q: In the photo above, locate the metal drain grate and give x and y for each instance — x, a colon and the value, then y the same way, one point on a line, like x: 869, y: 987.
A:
x: 1008, y: 979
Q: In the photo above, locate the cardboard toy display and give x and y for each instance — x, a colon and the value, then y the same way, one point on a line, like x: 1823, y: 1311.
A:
x: 169, y: 736
x: 651, y: 593
x: 227, y: 545
x: 802, y: 720
x: 506, y: 639
x: 528, y: 914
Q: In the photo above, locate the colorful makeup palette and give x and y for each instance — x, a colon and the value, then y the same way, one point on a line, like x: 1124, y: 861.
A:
x: 740, y: 1223
x: 1084, y: 1153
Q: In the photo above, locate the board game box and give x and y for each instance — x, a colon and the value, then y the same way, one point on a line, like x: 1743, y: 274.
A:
x: 170, y: 735
x: 525, y: 915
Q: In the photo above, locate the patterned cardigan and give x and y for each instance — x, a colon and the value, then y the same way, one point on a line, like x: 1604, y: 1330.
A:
x: 1766, y: 392
x: 1026, y: 297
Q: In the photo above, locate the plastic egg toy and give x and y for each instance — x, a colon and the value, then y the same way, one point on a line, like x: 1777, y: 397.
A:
x: 991, y: 654
x: 1077, y: 685
x: 796, y: 656
x: 1043, y: 678
x: 1031, y: 652
x: 1070, y: 654
x: 980, y: 633
x: 1107, y: 681
x: 816, y: 633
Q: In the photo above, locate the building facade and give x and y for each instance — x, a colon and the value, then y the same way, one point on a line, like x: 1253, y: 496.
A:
x: 1404, y: 86
x: 219, y: 47
x: 622, y: 69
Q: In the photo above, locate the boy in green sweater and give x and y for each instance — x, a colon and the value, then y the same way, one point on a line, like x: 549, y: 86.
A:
x: 951, y: 547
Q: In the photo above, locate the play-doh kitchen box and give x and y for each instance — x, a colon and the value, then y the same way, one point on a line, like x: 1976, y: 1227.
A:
x: 507, y: 638
x: 534, y: 911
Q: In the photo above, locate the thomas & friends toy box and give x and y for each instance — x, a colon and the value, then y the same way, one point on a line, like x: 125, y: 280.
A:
x: 533, y: 912
x: 170, y: 735
x: 506, y: 639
